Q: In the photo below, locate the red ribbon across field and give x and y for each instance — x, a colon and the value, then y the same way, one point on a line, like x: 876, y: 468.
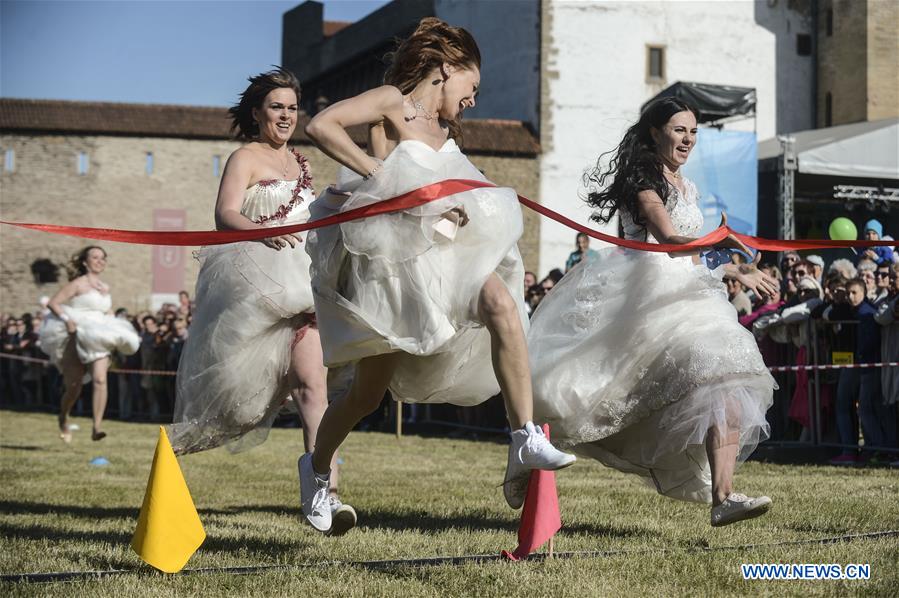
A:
x: 412, y: 199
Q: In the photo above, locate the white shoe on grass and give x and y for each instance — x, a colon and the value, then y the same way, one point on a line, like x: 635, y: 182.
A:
x: 529, y: 450
x: 738, y: 507
x: 314, y: 496
x: 343, y: 517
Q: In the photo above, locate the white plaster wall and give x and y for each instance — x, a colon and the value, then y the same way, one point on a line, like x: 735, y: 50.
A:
x: 595, y: 82
x: 508, y: 35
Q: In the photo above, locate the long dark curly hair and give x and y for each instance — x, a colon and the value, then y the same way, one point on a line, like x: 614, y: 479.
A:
x: 243, y: 126
x: 635, y: 165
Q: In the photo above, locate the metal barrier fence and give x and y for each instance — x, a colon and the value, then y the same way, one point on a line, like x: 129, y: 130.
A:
x: 824, y: 353
x: 819, y: 350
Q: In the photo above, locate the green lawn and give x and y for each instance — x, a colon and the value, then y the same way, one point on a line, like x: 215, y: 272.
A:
x: 418, y: 497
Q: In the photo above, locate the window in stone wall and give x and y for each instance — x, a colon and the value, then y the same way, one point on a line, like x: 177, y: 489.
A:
x: 9, y: 160
x: 803, y: 44
x: 828, y: 110
x: 44, y: 271
x: 83, y: 163
x: 655, y: 63
x: 148, y: 167
x: 216, y: 166
x: 829, y: 22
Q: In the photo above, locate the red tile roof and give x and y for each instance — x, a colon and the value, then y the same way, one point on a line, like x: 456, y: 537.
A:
x: 329, y: 28
x: 486, y: 136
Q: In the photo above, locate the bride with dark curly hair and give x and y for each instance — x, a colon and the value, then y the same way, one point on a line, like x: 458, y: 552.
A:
x: 638, y: 358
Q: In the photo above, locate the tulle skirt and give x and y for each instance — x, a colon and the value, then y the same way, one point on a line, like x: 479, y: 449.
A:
x: 393, y: 283
x: 251, y: 301
x: 635, y: 356
x: 99, y: 334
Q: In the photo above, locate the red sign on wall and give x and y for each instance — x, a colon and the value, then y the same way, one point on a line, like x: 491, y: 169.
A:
x: 168, y: 262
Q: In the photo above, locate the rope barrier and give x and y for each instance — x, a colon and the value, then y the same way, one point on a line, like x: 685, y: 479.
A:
x: 844, y: 366
x: 776, y: 368
x: 416, y: 198
x: 426, y: 562
x: 46, y: 362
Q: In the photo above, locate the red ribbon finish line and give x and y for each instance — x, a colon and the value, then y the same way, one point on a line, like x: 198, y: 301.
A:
x: 412, y: 199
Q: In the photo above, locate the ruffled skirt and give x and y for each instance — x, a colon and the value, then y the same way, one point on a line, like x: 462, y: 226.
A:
x: 232, y: 378
x: 635, y: 356
x: 393, y: 283
x: 98, y: 335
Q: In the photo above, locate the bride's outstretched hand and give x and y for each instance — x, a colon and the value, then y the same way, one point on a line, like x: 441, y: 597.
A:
x: 752, y: 278
x: 731, y: 241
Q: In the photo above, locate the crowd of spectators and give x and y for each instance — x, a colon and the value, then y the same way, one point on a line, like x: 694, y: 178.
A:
x: 148, y: 395
x: 844, y: 312
x: 841, y: 311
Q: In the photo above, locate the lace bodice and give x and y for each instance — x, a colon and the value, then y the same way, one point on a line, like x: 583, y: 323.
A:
x: 683, y: 208
x: 276, y: 202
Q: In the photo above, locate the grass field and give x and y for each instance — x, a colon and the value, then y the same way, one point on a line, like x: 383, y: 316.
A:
x: 418, y: 497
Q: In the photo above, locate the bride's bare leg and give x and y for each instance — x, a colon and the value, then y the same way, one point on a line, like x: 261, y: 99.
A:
x: 308, y: 388
x: 721, y: 447
x: 72, y: 375
x: 373, y: 374
x: 498, y: 311
x: 99, y: 372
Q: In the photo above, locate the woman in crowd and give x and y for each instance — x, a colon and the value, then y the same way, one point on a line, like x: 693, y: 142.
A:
x: 425, y: 300
x: 253, y: 341
x: 80, y: 334
x: 582, y: 252
x: 638, y: 358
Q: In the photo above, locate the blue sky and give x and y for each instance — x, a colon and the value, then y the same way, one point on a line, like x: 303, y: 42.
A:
x: 196, y: 52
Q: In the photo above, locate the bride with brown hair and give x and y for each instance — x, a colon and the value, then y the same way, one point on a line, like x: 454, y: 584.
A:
x: 81, y: 333
x: 426, y: 301
x: 253, y: 342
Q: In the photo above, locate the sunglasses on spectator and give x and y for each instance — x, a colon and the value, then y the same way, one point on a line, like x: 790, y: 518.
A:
x: 801, y: 273
x: 883, y: 275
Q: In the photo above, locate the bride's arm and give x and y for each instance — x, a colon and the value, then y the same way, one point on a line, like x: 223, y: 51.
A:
x: 63, y: 295
x: 659, y: 225
x: 328, y: 128
x: 658, y: 222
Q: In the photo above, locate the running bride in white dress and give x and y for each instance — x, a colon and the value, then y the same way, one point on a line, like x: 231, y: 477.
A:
x: 420, y: 301
x: 81, y: 334
x: 637, y: 357
x: 254, y: 346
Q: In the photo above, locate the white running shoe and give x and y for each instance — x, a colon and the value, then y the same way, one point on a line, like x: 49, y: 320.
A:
x: 314, y: 495
x: 738, y: 507
x: 529, y: 450
x: 343, y: 517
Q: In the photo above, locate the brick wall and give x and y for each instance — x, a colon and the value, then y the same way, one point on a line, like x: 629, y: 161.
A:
x: 883, y: 59
x: 118, y: 193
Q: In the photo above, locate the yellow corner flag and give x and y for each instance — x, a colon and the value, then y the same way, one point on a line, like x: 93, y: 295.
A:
x: 168, y: 529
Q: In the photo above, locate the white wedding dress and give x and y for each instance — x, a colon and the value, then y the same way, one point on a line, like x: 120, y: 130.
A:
x: 99, y: 333
x: 252, y: 301
x: 394, y: 283
x: 635, y: 355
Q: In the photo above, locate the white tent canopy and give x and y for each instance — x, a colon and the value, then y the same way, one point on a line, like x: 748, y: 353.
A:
x: 863, y: 150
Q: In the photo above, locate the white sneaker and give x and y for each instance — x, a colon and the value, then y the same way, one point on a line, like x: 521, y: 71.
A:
x: 738, y: 507
x: 529, y: 450
x: 343, y: 517
x: 314, y: 495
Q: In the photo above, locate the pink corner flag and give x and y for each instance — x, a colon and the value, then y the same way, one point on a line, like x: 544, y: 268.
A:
x: 540, y: 517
